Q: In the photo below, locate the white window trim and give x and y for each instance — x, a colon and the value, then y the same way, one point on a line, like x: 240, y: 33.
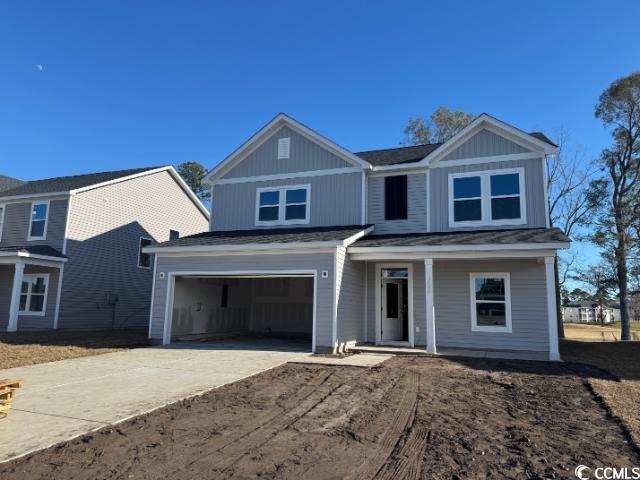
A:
x: 507, y: 301
x: 282, y: 205
x: 46, y: 220
x: 485, y: 198
x: 29, y: 278
x: 3, y: 211
x: 140, y: 253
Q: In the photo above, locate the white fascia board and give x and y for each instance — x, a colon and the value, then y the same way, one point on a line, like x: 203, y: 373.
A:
x: 274, y: 125
x: 274, y: 251
x: 35, y: 196
x: 254, y: 247
x: 453, y: 255
x: 462, y: 248
x: 22, y: 255
x: 286, y: 176
x: 348, y: 241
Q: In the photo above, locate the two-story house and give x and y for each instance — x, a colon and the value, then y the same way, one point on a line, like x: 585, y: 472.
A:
x: 71, y: 247
x: 441, y: 245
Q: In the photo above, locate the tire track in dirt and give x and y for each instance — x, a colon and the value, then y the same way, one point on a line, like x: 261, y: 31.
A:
x: 244, y: 444
x: 399, y: 428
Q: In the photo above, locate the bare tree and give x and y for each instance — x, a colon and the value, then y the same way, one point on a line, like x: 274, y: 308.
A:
x: 441, y: 125
x: 619, y: 225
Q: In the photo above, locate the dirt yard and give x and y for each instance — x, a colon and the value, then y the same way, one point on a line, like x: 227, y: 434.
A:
x: 411, y: 417
x: 596, y: 333
x: 28, y: 348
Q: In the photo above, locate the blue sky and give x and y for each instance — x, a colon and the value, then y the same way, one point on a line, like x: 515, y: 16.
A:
x: 128, y: 84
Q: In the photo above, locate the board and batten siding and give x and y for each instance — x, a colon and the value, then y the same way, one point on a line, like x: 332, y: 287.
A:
x: 350, y: 300
x: 485, y: 144
x: 304, y: 156
x: 252, y: 263
x: 416, y: 206
x: 452, y: 305
x: 335, y: 200
x: 17, y: 220
x: 105, y: 227
x: 534, y: 190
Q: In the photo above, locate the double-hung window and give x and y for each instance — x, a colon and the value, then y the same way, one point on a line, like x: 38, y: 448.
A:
x: 39, y: 219
x: 490, y: 302
x: 494, y: 197
x: 33, y: 294
x: 283, y: 205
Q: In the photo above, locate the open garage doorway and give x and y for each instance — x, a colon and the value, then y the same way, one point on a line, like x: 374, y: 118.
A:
x: 214, y: 307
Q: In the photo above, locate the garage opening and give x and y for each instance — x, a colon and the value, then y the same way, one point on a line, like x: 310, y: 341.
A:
x: 207, y: 308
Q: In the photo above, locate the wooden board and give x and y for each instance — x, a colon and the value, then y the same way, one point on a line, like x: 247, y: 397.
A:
x: 8, y: 383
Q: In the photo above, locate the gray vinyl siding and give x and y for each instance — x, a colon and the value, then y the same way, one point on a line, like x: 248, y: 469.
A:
x: 534, y: 188
x: 104, y: 231
x: 28, y: 322
x: 335, y: 200
x: 351, y: 285
x: 416, y: 206
x: 452, y: 305
x: 305, y: 156
x: 311, y: 261
x: 485, y: 144
x: 17, y: 219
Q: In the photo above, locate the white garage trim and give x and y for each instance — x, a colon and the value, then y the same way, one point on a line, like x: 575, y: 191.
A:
x: 171, y: 283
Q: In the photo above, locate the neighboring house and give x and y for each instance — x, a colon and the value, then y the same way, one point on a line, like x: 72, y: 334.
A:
x: 440, y: 246
x: 589, y: 312
x: 70, y: 247
x: 7, y: 183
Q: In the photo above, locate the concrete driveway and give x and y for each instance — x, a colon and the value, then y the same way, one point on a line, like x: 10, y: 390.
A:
x: 65, y: 399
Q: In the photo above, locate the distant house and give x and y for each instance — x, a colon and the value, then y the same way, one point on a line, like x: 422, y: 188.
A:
x: 71, y: 247
x: 590, y: 312
x: 7, y: 183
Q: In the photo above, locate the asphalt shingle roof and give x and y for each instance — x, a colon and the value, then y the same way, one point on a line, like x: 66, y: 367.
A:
x: 481, y: 237
x: 7, y: 183
x: 33, y: 249
x: 65, y: 184
x: 399, y: 155
x: 266, y: 236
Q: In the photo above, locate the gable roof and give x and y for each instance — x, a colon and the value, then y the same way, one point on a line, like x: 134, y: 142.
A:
x: 7, y: 183
x: 269, y: 129
x: 71, y: 185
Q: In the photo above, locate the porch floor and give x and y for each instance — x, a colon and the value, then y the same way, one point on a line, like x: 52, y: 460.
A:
x: 449, y: 352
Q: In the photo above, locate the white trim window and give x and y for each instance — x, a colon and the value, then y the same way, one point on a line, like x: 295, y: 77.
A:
x: 283, y: 205
x: 487, y: 198
x: 39, y: 221
x: 3, y: 209
x: 490, y: 302
x: 33, y: 294
x: 144, y: 259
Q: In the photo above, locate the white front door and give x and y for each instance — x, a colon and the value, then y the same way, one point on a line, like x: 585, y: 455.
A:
x: 393, y: 314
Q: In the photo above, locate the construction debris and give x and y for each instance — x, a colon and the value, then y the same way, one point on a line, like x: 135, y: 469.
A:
x: 7, y: 392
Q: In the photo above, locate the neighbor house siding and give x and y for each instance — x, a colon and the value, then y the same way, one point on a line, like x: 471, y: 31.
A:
x: 253, y: 263
x: 350, y: 299
x: 104, y: 230
x: 452, y: 305
x: 534, y: 188
x: 485, y: 144
x: 416, y: 206
x: 335, y: 200
x: 17, y: 220
x: 305, y: 156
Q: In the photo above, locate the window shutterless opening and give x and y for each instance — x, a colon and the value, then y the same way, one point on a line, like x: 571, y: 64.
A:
x: 144, y: 259
x: 395, y: 197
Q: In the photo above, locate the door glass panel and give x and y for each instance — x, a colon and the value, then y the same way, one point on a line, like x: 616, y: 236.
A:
x: 392, y: 300
x: 395, y: 273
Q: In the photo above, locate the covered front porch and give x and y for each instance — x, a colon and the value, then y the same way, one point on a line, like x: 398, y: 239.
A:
x: 479, y: 303
x: 30, y: 287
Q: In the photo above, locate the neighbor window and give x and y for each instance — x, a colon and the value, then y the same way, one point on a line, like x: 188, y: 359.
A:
x: 39, y: 217
x: 487, y: 198
x: 174, y: 235
x: 283, y: 205
x: 395, y: 197
x: 490, y: 302
x: 33, y: 294
x: 144, y: 259
x: 224, y: 300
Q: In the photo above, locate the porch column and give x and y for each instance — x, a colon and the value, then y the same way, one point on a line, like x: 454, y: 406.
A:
x: 14, y: 305
x: 552, y: 312
x: 431, y: 321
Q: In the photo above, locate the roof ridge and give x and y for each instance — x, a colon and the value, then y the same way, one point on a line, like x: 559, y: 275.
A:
x: 398, y: 148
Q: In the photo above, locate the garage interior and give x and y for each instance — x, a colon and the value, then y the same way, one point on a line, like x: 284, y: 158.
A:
x: 214, y: 308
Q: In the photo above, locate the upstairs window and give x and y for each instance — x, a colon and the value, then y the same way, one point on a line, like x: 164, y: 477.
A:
x: 33, y: 294
x: 144, y: 259
x: 284, y: 147
x: 283, y: 205
x: 487, y: 198
x: 395, y: 197
x: 39, y: 218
